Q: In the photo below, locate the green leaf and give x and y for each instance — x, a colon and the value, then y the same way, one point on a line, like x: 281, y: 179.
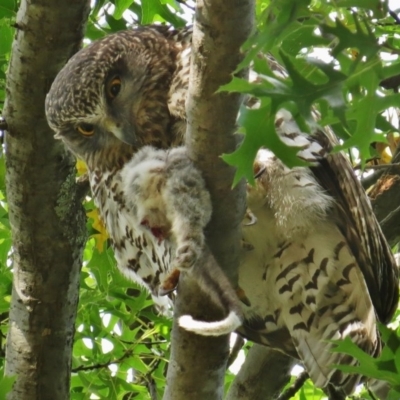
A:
x: 6, y: 35
x: 365, y: 42
x: 386, y: 367
x: 120, y: 7
x: 378, y: 7
x: 8, y: 8
x: 6, y: 383
x: 115, y: 24
x: 93, y: 32
x: 305, y: 93
x: 278, y: 16
x: 259, y: 126
x: 153, y: 9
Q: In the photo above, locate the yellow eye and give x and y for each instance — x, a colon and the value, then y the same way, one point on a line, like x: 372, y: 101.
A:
x: 114, y: 87
x: 85, y: 129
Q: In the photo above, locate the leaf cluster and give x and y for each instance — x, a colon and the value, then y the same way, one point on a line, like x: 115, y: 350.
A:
x: 336, y: 54
x: 386, y: 367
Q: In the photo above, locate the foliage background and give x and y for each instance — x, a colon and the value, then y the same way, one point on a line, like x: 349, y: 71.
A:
x: 121, y: 343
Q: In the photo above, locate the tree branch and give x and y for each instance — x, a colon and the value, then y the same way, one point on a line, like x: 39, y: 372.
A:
x: 385, y: 198
x: 297, y: 385
x: 220, y: 28
x: 3, y: 125
x: 262, y: 375
x: 237, y: 346
x: 127, y: 354
x: 47, y: 219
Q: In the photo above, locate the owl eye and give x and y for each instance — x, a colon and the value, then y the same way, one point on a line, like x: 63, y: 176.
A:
x: 85, y: 129
x: 114, y: 87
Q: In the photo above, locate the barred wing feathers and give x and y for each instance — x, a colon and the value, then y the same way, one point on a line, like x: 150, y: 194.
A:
x: 358, y: 224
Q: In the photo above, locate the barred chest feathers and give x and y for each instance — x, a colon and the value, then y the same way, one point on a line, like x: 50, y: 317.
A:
x: 287, y: 206
x: 301, y: 278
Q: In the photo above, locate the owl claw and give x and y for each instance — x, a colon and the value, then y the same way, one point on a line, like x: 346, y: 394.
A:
x: 242, y: 296
x: 251, y: 217
x: 260, y: 172
x: 170, y: 283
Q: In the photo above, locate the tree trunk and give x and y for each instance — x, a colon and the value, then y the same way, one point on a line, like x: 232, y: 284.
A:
x: 197, y: 365
x: 46, y: 216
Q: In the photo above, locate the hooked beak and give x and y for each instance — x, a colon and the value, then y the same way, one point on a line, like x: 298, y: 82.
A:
x: 125, y: 133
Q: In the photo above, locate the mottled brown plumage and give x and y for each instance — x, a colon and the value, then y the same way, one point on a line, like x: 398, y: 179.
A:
x: 108, y: 101
x: 315, y: 264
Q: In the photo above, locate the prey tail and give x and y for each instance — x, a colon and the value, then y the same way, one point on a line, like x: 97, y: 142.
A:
x: 214, y: 282
x: 217, y: 328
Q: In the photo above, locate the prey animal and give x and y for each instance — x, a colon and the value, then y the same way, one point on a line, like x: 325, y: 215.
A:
x: 166, y: 201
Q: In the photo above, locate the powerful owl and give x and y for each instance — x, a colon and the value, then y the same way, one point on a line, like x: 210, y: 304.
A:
x: 315, y: 265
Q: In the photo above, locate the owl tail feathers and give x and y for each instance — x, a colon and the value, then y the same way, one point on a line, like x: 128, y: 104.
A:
x: 216, y: 328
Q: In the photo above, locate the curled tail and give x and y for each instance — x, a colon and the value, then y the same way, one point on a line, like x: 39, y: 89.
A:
x: 217, y: 328
x: 214, y: 282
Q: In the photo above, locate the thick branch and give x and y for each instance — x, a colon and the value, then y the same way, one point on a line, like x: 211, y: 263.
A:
x: 385, y: 198
x: 385, y: 202
x: 262, y: 376
x: 47, y: 220
x: 220, y: 29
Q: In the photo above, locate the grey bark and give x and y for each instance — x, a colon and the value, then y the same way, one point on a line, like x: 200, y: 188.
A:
x: 197, y: 365
x: 386, y: 205
x: 46, y: 216
x: 262, y: 376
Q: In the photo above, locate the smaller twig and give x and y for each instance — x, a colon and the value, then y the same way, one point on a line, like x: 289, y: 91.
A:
x: 152, y: 388
x: 183, y: 2
x: 151, y: 343
x: 150, y: 382
x: 377, y: 166
x: 370, y: 180
x: 395, y: 214
x: 373, y: 397
x: 395, y: 17
x: 239, y: 342
x: 298, y: 383
x: 127, y: 354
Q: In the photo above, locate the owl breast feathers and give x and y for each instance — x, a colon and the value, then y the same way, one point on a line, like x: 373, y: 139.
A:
x: 315, y: 264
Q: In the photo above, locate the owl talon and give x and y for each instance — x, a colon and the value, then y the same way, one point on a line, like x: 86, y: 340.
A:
x: 251, y: 217
x: 242, y: 296
x: 170, y: 283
